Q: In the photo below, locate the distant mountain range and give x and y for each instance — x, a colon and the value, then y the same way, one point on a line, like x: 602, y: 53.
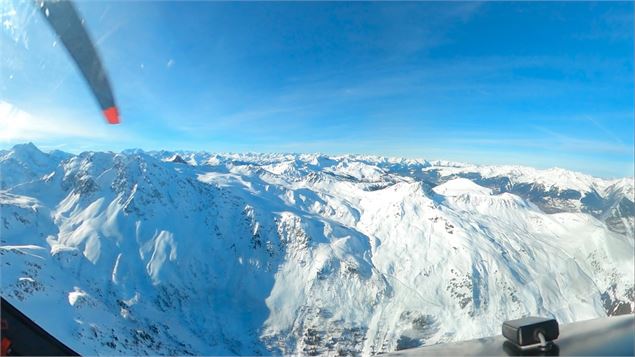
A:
x: 198, y: 253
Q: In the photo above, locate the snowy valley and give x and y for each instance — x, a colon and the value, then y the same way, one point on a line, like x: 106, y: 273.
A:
x: 221, y: 254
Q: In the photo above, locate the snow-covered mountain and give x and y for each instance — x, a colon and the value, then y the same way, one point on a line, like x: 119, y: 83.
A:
x: 198, y: 253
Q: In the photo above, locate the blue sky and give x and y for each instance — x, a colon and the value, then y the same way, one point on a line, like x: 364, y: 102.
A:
x: 540, y: 84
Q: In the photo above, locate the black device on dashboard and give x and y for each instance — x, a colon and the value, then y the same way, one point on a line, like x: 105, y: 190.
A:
x: 531, y: 332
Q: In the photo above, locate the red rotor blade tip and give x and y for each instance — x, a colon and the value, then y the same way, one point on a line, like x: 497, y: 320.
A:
x: 112, y: 115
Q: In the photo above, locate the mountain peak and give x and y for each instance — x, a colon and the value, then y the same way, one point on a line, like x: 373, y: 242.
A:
x: 460, y: 186
x: 28, y: 153
x: 26, y: 147
x: 176, y: 158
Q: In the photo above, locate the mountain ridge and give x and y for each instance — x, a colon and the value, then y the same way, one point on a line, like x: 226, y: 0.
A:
x: 300, y: 253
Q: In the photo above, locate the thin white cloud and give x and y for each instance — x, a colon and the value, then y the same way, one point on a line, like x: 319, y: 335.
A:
x: 583, y: 145
x: 19, y: 125
x: 611, y: 135
x: 108, y: 33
